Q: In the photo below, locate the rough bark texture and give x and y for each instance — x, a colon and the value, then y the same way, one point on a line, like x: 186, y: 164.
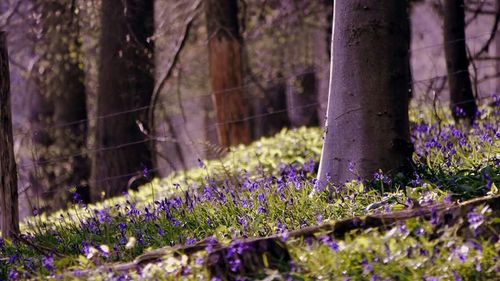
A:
x: 367, y: 118
x: 126, y: 81
x: 59, y: 110
x: 226, y: 71
x: 497, y: 50
x: 301, y: 99
x: 462, y: 101
x: 8, y: 171
x: 270, y: 110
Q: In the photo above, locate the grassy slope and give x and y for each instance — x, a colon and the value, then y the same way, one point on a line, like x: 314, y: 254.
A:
x: 251, y: 193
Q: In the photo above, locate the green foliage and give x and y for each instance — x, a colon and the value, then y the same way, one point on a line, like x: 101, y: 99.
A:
x: 267, y: 188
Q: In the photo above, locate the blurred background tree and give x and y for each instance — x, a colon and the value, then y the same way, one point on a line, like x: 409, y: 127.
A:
x: 79, y: 60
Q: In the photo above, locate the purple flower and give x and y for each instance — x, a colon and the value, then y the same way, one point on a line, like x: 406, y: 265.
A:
x: 351, y: 166
x: 159, y: 229
x: 403, y: 230
x: 475, y: 220
x: 459, y: 111
x: 434, y: 217
x: 243, y: 222
x: 309, y: 166
x: 319, y: 219
x: 13, y: 258
x: 190, y: 241
x: 48, y: 263
x: 461, y: 253
x: 327, y: 241
x: 210, y: 241
x: 103, y: 216
x: 367, y: 267
x: 85, y: 248
x: 456, y: 276
x: 13, y: 275
x: 261, y: 197
x: 378, y: 176
x: 234, y: 264
x: 148, y: 216
x: 145, y: 172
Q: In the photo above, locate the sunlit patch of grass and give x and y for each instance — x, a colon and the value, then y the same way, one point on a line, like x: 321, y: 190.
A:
x: 267, y: 188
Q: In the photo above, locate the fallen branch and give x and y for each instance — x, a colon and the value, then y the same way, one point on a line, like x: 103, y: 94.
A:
x: 275, y: 251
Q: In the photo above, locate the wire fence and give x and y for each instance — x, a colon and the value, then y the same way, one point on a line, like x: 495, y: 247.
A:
x: 168, y: 137
x: 210, y: 127
x: 35, y: 163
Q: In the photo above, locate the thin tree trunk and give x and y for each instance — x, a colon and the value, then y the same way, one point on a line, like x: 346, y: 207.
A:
x: 462, y: 102
x: 226, y: 71
x: 8, y: 171
x: 126, y: 81
x: 367, y: 117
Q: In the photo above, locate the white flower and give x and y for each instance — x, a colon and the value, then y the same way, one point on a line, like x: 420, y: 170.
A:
x: 130, y: 243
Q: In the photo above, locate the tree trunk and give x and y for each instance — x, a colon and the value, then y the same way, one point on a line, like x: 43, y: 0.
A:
x: 8, y: 171
x: 59, y: 112
x: 126, y: 82
x: 462, y: 103
x: 367, y: 116
x: 270, y: 110
x: 302, y: 96
x: 226, y: 71
x: 497, y: 50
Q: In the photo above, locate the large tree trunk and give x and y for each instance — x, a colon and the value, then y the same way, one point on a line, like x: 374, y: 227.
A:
x: 59, y: 112
x: 497, y: 50
x: 8, y: 171
x: 226, y: 71
x: 126, y: 82
x: 367, y: 116
x: 462, y: 103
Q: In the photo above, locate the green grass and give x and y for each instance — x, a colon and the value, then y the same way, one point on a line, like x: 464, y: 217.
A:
x: 266, y: 188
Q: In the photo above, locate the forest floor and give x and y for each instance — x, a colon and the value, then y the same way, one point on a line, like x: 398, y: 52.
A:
x: 257, y: 214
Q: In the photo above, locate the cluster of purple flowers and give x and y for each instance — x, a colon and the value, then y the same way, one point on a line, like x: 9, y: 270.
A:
x: 183, y: 217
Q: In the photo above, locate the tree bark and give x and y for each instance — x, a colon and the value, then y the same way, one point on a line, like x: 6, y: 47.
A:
x: 270, y: 110
x: 226, y: 71
x: 462, y: 102
x: 126, y: 82
x: 497, y: 50
x: 367, y: 116
x: 59, y: 112
x: 301, y: 101
x: 8, y: 171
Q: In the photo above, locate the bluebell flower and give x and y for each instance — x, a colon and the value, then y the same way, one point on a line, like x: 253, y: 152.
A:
x: 13, y: 274
x: 456, y: 276
x: 48, y: 263
x: 159, y: 229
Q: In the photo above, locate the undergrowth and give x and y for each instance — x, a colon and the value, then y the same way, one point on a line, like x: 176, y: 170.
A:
x: 267, y: 188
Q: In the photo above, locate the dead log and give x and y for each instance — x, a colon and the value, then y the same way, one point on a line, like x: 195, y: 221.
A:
x: 271, y: 252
